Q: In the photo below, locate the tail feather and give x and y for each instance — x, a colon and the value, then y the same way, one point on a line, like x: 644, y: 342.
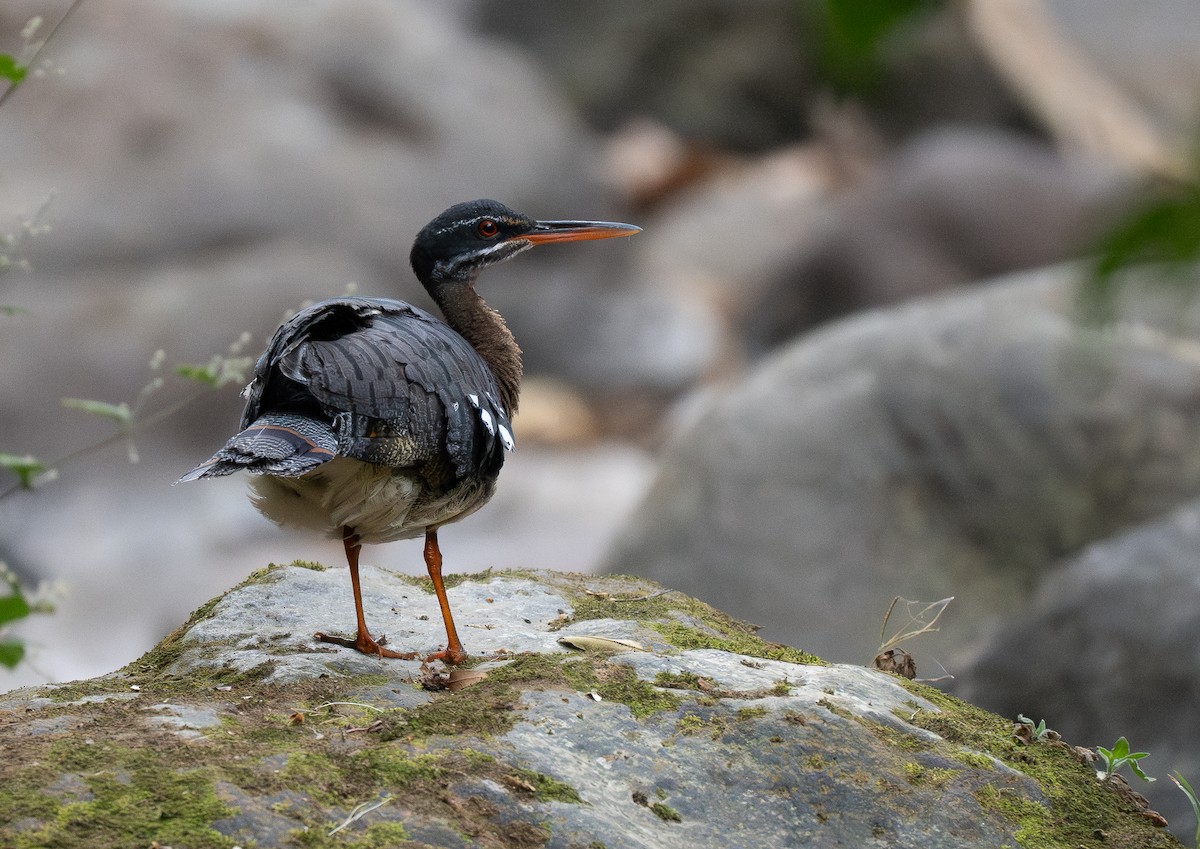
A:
x: 284, y: 444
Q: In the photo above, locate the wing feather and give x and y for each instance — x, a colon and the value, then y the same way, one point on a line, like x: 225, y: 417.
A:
x: 394, y: 382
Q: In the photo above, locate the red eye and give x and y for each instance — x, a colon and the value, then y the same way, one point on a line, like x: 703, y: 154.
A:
x: 488, y: 228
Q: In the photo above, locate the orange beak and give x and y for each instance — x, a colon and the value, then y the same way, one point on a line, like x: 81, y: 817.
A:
x: 575, y: 231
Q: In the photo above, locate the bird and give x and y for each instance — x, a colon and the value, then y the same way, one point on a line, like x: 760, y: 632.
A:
x: 373, y: 420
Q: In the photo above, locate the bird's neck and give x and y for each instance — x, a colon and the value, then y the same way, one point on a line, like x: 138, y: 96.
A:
x: 484, y: 328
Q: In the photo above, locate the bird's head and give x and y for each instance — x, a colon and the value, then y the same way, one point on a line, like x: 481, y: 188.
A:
x: 468, y: 237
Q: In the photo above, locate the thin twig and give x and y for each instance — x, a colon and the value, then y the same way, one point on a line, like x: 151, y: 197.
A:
x: 351, y: 704
x: 918, y: 620
x: 121, y: 435
x: 360, y: 811
x: 608, y: 597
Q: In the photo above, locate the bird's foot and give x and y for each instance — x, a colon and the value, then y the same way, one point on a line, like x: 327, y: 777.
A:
x: 448, y: 656
x: 366, y: 644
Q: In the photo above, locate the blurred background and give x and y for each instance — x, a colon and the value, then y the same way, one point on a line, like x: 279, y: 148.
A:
x: 897, y: 323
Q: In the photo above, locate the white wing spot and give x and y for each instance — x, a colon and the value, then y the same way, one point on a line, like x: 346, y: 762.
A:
x: 486, y: 418
x: 474, y: 400
x: 507, y: 439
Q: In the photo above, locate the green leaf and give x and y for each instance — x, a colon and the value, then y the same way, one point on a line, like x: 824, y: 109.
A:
x: 205, y: 374
x: 6, y: 309
x: 862, y: 24
x: 1182, y: 784
x: 26, y: 468
x: 13, y: 607
x: 11, y: 652
x: 117, y: 412
x: 853, y: 36
x: 1163, y: 231
x: 218, y: 371
x: 11, y: 69
x: 1137, y: 770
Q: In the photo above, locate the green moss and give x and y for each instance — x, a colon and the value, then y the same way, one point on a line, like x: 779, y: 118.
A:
x: 24, y: 798
x: 683, y: 621
x: 395, y: 767
x: 715, y: 722
x: 895, y: 737
x: 381, y: 834
x: 547, y: 789
x: 835, y: 709
x: 618, y: 683
x: 1080, y: 812
x: 313, y: 770
x: 483, y: 710
x: 975, y: 760
x: 1035, y: 825
x: 73, y: 691
x: 665, y: 812
x: 450, y: 581
x: 133, y: 797
x: 683, y: 636
x: 690, y: 723
x: 928, y: 776
x: 304, y: 564
x: 678, y: 680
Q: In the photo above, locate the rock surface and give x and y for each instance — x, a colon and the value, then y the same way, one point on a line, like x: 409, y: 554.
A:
x: 954, y: 447
x: 950, y: 208
x: 1102, y: 651
x: 239, y: 729
x: 984, y: 446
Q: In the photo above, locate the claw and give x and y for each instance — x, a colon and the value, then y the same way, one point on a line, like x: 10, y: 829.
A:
x: 366, y: 644
x: 448, y: 656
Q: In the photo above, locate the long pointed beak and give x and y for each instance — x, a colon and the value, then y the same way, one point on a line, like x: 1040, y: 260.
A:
x: 575, y: 231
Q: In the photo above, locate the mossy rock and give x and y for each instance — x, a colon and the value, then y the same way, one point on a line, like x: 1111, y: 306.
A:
x: 240, y: 729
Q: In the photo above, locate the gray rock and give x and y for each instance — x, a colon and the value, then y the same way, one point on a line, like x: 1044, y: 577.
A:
x: 271, y: 155
x: 950, y: 207
x: 953, y: 447
x: 1103, y: 650
x: 745, y: 74
x: 692, y: 746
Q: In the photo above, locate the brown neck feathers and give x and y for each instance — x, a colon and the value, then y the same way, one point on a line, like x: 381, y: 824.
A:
x: 485, y: 329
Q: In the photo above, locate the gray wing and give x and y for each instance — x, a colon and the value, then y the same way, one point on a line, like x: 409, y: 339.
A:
x: 397, y: 385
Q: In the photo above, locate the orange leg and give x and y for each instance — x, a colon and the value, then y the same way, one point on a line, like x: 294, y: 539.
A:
x: 453, y: 654
x: 364, y: 642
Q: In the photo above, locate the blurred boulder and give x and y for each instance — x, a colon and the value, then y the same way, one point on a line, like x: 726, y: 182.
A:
x: 215, y: 165
x: 1153, y: 58
x: 956, y: 446
x: 744, y: 75
x: 708, y: 70
x: 1106, y: 648
x: 950, y: 207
